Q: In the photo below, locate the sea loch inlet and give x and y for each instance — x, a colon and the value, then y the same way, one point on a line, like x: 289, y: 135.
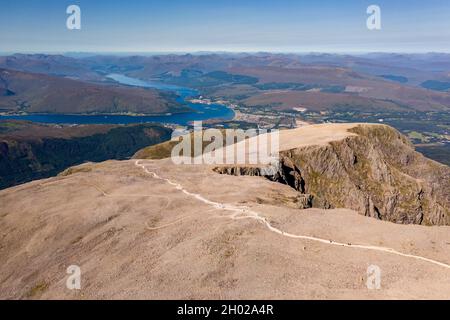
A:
x: 200, y: 111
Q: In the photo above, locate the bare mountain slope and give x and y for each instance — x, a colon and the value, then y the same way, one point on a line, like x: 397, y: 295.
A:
x: 152, y: 229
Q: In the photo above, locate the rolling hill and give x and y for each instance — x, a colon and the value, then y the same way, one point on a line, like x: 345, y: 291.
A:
x: 40, y: 93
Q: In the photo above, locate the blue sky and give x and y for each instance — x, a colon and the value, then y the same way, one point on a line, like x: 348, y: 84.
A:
x: 218, y: 25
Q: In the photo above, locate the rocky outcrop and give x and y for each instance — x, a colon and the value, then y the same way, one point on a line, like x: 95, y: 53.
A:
x: 239, y: 171
x: 376, y: 172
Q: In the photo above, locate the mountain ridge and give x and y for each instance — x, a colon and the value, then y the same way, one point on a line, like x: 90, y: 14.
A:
x: 370, y: 168
x: 150, y: 229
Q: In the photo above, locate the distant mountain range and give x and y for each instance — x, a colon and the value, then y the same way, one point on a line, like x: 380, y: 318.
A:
x: 409, y: 82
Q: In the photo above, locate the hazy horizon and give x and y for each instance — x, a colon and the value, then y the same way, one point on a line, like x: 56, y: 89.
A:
x: 204, y: 52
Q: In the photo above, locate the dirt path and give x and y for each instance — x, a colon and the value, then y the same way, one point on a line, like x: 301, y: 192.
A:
x: 242, y: 212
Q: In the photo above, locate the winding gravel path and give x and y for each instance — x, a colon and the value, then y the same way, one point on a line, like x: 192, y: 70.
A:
x: 241, y: 212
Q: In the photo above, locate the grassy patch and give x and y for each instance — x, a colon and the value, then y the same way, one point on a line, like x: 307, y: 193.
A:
x: 159, y: 151
x: 37, y: 289
x: 73, y: 170
x: 414, y: 135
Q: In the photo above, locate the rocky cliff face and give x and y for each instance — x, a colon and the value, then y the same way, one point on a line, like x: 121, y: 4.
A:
x: 376, y: 172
